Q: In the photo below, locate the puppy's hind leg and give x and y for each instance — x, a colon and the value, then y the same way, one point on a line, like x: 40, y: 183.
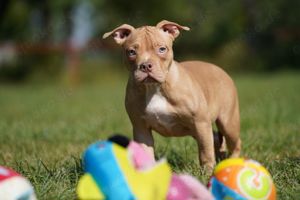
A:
x: 220, y: 146
x: 229, y: 126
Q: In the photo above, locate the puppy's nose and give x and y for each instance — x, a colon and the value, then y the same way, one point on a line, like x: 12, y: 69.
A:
x: 146, y: 67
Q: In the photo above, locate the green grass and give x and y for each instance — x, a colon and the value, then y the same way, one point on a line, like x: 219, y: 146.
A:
x: 45, y: 128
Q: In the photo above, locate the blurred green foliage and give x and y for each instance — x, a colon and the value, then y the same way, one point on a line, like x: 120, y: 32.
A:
x: 237, y: 35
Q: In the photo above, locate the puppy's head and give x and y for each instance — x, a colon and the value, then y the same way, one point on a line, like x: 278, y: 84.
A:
x: 148, y: 49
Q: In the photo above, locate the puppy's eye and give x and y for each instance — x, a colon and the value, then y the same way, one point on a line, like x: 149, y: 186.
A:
x: 162, y: 49
x: 131, y: 52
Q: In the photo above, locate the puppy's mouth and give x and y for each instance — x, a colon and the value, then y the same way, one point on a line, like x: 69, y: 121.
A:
x: 147, y: 78
x: 150, y: 79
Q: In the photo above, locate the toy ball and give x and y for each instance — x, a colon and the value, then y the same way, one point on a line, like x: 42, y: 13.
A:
x: 241, y: 179
x: 14, y: 187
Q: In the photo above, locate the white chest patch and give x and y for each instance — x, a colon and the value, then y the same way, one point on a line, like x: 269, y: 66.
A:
x: 158, y: 113
x: 156, y: 103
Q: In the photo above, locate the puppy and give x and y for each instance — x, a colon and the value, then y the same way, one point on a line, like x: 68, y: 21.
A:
x: 176, y: 99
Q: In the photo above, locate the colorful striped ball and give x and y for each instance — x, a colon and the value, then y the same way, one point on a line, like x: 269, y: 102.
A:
x: 240, y: 179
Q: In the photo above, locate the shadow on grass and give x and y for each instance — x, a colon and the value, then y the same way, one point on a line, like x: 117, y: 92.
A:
x: 176, y: 160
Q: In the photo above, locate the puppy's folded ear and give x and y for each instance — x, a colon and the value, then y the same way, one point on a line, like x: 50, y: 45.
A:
x: 171, y: 28
x: 120, y: 34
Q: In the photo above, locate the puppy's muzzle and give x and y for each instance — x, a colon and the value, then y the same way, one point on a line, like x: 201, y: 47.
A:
x: 146, y: 67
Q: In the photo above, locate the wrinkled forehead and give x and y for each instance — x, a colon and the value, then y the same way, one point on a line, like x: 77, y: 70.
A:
x: 148, y: 37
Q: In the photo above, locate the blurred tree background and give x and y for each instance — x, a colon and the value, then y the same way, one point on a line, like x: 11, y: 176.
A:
x: 52, y: 37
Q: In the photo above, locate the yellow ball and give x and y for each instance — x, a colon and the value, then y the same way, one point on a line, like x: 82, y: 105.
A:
x: 239, y: 178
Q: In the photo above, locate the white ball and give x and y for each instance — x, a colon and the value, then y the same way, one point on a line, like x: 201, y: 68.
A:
x: 14, y: 187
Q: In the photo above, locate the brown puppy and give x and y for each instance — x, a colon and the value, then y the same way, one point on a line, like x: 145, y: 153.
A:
x: 176, y: 99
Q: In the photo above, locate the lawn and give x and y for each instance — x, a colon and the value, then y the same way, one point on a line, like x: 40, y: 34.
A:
x: 44, y: 128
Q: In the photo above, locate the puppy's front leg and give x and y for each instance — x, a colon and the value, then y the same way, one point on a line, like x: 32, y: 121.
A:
x: 144, y: 136
x: 205, y: 142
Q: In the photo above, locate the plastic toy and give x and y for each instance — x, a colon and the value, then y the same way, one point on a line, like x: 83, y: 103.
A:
x: 14, y: 187
x: 119, y: 169
x: 242, y: 179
